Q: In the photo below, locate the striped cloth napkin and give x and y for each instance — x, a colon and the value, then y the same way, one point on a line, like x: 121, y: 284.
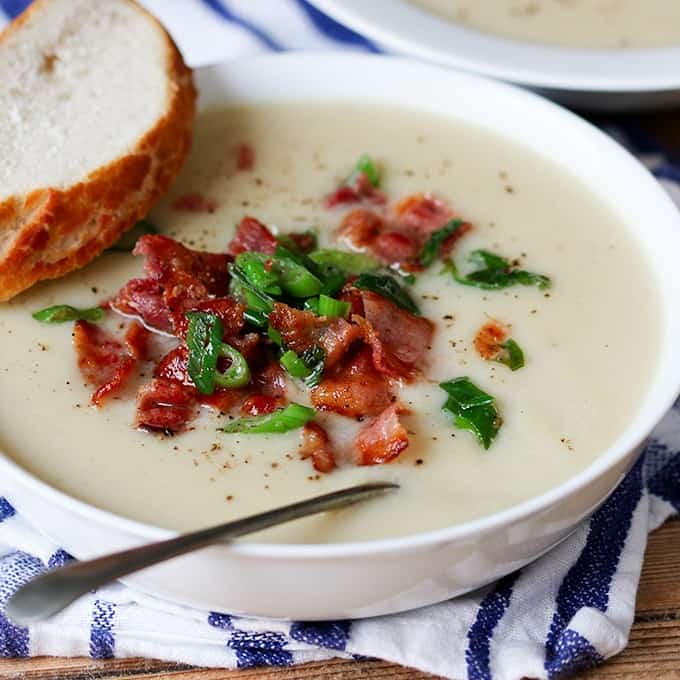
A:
x: 568, y: 611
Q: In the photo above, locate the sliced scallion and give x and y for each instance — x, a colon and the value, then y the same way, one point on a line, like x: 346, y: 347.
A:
x: 282, y: 420
x: 63, y: 313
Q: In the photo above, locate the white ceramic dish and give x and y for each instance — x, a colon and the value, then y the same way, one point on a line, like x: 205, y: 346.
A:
x: 378, y: 577
x: 606, y: 80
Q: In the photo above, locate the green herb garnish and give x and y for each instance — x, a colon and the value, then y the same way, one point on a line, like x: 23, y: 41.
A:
x: 294, y: 365
x: 128, y: 240
x: 256, y: 300
x: 495, y: 272
x: 512, y: 355
x: 292, y: 244
x: 472, y: 409
x: 282, y: 420
x: 315, y: 359
x: 329, y: 306
x: 436, y: 240
x: 258, y: 270
x: 63, y: 313
x: 257, y: 319
x: 366, y: 166
x: 350, y: 263
x: 204, y: 340
x: 389, y: 288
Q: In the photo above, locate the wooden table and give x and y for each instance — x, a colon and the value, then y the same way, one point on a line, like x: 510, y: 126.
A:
x: 653, y: 652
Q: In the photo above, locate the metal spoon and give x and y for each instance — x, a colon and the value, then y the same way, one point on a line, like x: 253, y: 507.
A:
x: 49, y: 593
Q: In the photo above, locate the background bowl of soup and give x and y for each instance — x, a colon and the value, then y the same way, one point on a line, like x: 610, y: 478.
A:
x: 606, y: 55
x: 601, y: 360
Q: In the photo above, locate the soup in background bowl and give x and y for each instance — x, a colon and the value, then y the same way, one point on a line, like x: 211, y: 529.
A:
x: 599, y: 368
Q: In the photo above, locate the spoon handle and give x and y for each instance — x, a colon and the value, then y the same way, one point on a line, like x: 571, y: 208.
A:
x: 49, y: 593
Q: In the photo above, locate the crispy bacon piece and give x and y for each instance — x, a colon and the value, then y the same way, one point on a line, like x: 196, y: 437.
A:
x: 166, y: 406
x: 228, y: 310
x: 489, y: 338
x: 362, y: 190
x: 399, y: 340
x: 259, y: 404
x: 103, y: 361
x: 245, y: 157
x: 252, y: 235
x: 422, y: 213
x: 173, y: 366
x: 248, y: 345
x: 178, y: 279
x: 361, y: 227
x: 395, y: 246
x: 356, y: 389
x: 300, y: 330
x: 195, y: 203
x: 316, y: 445
x: 382, y: 440
x: 144, y: 298
x: 304, y: 240
x: 337, y: 339
x: 165, y: 258
x: 137, y: 341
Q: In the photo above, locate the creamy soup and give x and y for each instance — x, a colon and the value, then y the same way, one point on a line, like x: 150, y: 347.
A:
x: 571, y: 23
x: 589, y: 341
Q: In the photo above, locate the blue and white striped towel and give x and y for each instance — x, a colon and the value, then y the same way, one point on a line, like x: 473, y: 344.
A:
x: 568, y: 611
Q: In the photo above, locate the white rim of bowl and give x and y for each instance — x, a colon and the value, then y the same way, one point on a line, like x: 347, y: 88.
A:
x: 664, y: 388
x: 411, y: 30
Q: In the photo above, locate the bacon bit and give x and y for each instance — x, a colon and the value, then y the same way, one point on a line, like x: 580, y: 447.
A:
x: 270, y: 380
x: 489, y: 338
x: 422, y: 213
x: 399, y: 340
x: 362, y: 190
x: 304, y: 240
x: 137, y: 341
x: 245, y: 157
x: 166, y: 258
x: 166, y: 406
x: 382, y: 440
x: 361, y: 227
x: 258, y: 405
x: 337, y: 339
x: 300, y: 330
x: 252, y: 235
x: 173, y: 366
x: 228, y: 310
x: 356, y: 389
x: 195, y: 203
x: 395, y: 246
x: 144, y: 298
x: 315, y: 444
x: 248, y: 345
x: 102, y: 360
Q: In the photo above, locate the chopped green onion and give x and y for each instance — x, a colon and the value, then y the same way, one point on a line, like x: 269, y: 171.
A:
x: 241, y: 288
x: 329, y: 306
x: 274, y: 336
x: 472, y: 409
x: 333, y: 279
x: 293, y: 244
x: 294, y: 365
x: 62, y: 313
x: 495, y: 272
x: 366, y: 166
x: 351, y: 263
x: 238, y: 373
x: 255, y: 318
x: 434, y: 243
x: 128, y: 240
x: 512, y: 356
x: 405, y: 276
x: 315, y: 359
x: 296, y: 279
x: 312, y: 305
x: 258, y: 269
x: 204, y: 340
x: 292, y: 417
x: 389, y: 288
x: 284, y: 252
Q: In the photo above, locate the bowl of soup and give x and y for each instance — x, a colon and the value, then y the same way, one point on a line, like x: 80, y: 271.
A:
x: 422, y: 277
x: 605, y: 55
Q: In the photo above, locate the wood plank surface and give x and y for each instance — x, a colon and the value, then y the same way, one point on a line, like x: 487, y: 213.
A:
x: 653, y: 652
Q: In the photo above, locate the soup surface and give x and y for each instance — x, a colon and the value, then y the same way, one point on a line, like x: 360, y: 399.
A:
x: 589, y: 341
x: 572, y: 23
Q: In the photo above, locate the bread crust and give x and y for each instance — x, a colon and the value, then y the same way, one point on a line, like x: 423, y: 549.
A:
x: 63, y: 229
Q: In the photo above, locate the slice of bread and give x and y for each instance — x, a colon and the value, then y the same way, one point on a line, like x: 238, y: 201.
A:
x: 96, y: 110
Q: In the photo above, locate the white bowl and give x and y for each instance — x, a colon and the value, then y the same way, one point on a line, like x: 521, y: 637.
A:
x: 317, y: 582
x: 594, y: 79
